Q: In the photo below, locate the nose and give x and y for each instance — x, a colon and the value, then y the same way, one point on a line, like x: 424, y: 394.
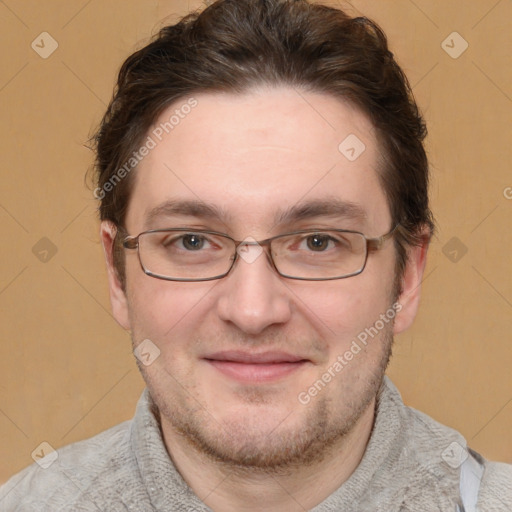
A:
x: 253, y: 296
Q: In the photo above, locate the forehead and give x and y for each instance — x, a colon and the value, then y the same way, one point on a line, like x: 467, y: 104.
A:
x: 254, y: 157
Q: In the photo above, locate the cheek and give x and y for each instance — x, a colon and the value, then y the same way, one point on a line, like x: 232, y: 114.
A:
x: 162, y: 310
x: 347, y: 310
x: 343, y: 308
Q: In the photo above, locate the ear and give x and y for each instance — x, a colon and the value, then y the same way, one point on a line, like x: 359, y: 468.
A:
x: 117, y: 295
x: 409, y: 299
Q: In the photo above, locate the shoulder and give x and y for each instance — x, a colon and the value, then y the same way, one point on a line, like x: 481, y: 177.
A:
x: 62, y: 477
x: 496, y: 488
x: 442, y: 452
x: 424, y: 438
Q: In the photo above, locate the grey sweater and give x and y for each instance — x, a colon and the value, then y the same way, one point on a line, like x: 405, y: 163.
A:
x: 411, y: 463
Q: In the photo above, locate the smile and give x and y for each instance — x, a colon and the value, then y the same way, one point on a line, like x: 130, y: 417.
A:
x: 253, y: 368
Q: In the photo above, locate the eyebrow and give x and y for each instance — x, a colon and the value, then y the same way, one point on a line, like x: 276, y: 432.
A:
x: 187, y: 208
x: 327, y: 207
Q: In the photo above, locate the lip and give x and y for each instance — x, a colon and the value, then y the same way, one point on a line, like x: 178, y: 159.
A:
x: 251, y: 367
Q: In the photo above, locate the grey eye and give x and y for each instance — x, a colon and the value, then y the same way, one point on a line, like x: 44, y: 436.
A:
x: 193, y: 241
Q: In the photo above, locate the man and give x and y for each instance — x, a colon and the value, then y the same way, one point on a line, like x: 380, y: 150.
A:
x: 265, y: 222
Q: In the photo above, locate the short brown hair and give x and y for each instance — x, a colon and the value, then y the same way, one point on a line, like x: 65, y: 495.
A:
x: 233, y: 45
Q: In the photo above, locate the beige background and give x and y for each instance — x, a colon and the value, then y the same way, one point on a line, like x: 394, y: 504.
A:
x: 66, y: 368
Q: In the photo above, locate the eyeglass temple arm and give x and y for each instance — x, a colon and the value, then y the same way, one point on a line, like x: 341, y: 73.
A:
x: 130, y: 242
x: 376, y: 243
x: 127, y: 241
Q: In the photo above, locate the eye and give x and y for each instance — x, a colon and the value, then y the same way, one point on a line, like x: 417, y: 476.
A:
x: 193, y: 241
x: 318, y: 242
x: 188, y: 242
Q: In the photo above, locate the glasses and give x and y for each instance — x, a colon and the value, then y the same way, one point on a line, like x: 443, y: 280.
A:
x: 183, y: 254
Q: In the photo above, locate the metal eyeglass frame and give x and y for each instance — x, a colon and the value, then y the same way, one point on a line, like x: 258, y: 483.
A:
x: 372, y: 244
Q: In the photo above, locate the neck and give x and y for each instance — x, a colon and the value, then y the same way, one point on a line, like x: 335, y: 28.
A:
x: 296, y: 488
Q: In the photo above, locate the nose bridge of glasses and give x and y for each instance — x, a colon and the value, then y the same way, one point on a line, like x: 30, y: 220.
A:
x: 251, y: 249
x: 250, y: 241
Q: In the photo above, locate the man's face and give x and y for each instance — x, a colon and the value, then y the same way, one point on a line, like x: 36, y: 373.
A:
x: 255, y: 157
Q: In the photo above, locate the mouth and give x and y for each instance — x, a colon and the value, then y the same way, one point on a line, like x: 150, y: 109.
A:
x: 253, y: 368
